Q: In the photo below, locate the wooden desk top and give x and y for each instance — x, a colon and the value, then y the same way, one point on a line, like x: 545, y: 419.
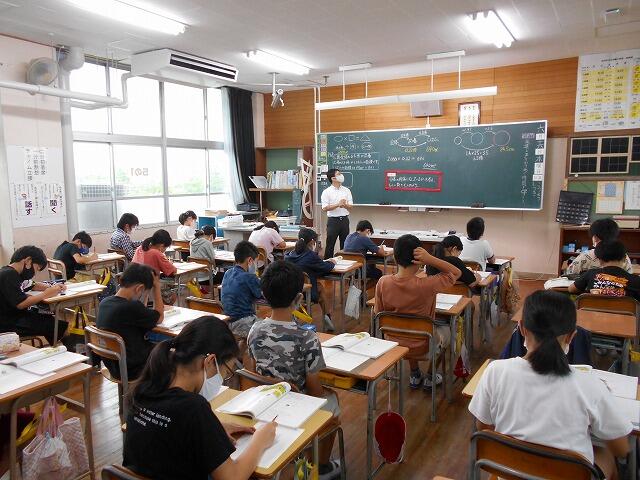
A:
x: 470, y: 388
x: 346, y: 269
x: 185, y: 267
x: 225, y: 256
x: 219, y: 241
x: 456, y: 310
x: 487, y: 281
x: 74, y: 295
x: 192, y: 314
x: 287, y: 247
x: 105, y: 258
x: 505, y: 257
x: 372, y: 369
x: 603, y: 323
x: 311, y: 428
x: 62, y: 375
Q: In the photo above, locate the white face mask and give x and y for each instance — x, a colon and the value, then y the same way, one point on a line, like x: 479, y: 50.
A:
x: 211, y: 386
x: 339, y: 178
x: 565, y: 349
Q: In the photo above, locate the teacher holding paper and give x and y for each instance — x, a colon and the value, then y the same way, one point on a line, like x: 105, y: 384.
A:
x: 336, y: 201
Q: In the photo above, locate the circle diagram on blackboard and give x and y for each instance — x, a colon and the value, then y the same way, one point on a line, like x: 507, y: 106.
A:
x: 482, y: 140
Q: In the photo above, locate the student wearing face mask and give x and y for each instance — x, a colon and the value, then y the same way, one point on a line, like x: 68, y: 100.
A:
x: 360, y: 242
x: 120, y: 238
x: 75, y: 254
x: 16, y: 278
x: 125, y: 314
x: 305, y: 256
x: 449, y: 250
x: 540, y: 398
x: 241, y: 289
x: 336, y: 201
x: 172, y: 432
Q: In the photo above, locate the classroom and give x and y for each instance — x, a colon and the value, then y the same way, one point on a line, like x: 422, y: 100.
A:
x: 340, y: 239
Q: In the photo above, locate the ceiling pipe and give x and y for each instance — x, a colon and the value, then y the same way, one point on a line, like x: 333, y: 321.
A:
x: 124, y: 103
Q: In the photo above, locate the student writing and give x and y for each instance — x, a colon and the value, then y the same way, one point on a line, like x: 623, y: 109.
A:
x: 152, y: 253
x: 125, y: 314
x: 75, y: 254
x: 172, y: 433
x: 475, y: 248
x: 360, y: 242
x: 267, y: 236
x: 120, y: 238
x: 541, y: 399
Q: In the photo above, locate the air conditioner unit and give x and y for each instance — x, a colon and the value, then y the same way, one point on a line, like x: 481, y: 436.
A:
x: 172, y: 66
x: 426, y: 109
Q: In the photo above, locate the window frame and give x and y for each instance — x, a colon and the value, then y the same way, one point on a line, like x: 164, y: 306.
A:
x: 599, y: 156
x: 162, y: 141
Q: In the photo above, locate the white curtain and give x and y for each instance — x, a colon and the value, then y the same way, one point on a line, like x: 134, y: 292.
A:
x: 236, y: 189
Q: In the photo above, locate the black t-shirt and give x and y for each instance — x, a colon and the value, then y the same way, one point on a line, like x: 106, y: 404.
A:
x: 11, y: 295
x: 64, y: 253
x: 175, y: 436
x: 131, y: 320
x: 612, y: 281
x: 467, y: 276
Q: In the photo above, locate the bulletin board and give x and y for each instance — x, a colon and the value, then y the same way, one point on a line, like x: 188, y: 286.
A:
x: 36, y: 186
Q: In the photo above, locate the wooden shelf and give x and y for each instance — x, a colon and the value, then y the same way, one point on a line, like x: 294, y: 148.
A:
x: 271, y: 189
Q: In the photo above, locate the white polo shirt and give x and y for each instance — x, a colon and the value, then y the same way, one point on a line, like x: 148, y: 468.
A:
x: 332, y: 196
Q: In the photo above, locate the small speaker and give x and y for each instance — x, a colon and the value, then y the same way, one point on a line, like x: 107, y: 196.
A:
x: 426, y: 109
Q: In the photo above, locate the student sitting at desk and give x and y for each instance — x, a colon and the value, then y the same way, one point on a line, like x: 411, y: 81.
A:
x: 283, y: 350
x: 187, y: 228
x: 267, y: 236
x: 241, y: 289
x: 474, y: 247
x: 125, y: 314
x: 75, y: 254
x: 185, y: 440
x: 611, y: 278
x: 360, y: 242
x: 305, y: 256
x: 449, y: 249
x: 404, y: 292
x: 601, y: 230
x: 120, y: 239
x: 16, y: 314
x: 152, y: 253
x: 541, y: 399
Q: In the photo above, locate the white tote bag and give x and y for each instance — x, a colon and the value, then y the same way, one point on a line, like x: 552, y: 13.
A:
x: 352, y: 305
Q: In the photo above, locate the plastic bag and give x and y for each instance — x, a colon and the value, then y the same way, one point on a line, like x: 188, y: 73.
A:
x: 352, y: 305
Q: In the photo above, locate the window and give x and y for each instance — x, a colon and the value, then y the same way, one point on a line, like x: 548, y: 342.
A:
x: 603, y: 154
x: 123, y: 161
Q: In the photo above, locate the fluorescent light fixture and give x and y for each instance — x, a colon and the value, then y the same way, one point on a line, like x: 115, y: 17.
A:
x: 127, y: 13
x: 357, y: 66
x: 277, y: 63
x: 489, y: 28
x: 409, y: 98
x: 438, y: 56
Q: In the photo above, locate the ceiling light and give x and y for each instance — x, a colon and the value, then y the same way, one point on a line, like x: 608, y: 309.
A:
x: 489, y: 28
x: 276, y: 62
x: 127, y: 13
x: 357, y: 66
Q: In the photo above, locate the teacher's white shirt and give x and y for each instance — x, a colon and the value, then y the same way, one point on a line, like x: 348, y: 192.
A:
x: 332, y: 196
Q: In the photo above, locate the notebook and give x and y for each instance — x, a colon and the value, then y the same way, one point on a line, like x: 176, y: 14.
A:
x: 560, y: 282
x: 483, y: 274
x: 630, y: 409
x: 623, y: 386
x: 360, y: 343
x: 266, y: 402
x: 285, y: 436
x: 445, y: 301
x: 12, y: 378
x: 45, y: 361
x: 177, y: 317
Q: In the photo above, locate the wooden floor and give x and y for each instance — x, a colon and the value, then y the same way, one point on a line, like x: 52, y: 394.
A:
x: 439, y: 448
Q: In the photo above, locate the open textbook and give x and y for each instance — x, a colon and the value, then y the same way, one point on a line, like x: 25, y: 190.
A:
x: 285, y: 436
x: 445, y: 301
x: 267, y: 402
x: 350, y: 350
x: 176, y: 317
x: 560, y: 282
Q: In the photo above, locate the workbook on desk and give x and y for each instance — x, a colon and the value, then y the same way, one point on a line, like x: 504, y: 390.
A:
x: 482, y: 274
x: 285, y: 436
x: 44, y: 361
x: 175, y: 317
x: 560, y: 282
x: 360, y: 343
x: 446, y: 301
x: 341, y: 262
x: 267, y: 402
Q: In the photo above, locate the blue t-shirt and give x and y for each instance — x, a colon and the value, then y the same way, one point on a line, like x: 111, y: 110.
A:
x: 360, y: 244
x: 240, y: 289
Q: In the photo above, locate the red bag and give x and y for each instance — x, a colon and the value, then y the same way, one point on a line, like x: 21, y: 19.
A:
x: 390, y: 433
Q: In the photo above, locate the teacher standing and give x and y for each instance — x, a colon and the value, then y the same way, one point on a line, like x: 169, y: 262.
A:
x: 336, y: 201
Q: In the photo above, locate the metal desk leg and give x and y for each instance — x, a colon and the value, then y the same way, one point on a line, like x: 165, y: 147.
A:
x: 86, y: 390
x: 13, y: 431
x: 626, y: 347
x: 316, y: 457
x: 468, y: 328
x: 342, y: 316
x: 400, y: 389
x: 56, y: 313
x: 371, y: 395
x: 452, y: 356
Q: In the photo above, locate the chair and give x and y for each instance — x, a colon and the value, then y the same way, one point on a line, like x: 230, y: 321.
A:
x: 509, y: 458
x: 110, y: 346
x: 211, y: 267
x: 125, y: 262
x: 34, y: 340
x: 413, y: 327
x: 263, y: 258
x: 118, y: 472
x: 56, y: 269
x: 471, y: 265
x: 204, y: 305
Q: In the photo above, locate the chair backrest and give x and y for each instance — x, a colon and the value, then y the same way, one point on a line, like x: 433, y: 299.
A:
x: 249, y: 378
x: 510, y: 458
x: 263, y: 258
x: 605, y: 303
x: 56, y: 269
x: 118, y: 472
x: 471, y: 265
x: 354, y: 256
x: 181, y: 243
x: 201, y: 261
x: 204, y: 305
x: 403, y: 325
x: 459, y: 288
x: 107, y: 345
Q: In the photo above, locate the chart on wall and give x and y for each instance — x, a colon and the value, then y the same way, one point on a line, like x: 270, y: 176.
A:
x: 497, y: 166
x: 608, y: 91
x: 36, y: 186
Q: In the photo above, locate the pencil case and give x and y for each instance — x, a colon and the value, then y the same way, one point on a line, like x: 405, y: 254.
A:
x: 337, y: 381
x: 9, y: 342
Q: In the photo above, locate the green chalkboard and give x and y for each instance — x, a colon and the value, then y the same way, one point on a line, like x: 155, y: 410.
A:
x: 497, y: 166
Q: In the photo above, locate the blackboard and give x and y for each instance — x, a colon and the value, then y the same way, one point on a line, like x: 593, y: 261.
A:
x: 498, y: 166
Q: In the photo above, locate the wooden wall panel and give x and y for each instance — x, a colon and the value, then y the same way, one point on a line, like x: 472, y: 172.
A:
x: 533, y: 91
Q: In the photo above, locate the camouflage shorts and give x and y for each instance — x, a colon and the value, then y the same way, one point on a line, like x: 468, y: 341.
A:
x: 241, y: 327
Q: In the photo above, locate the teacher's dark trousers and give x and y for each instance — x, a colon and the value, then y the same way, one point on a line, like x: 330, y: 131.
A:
x: 336, y: 227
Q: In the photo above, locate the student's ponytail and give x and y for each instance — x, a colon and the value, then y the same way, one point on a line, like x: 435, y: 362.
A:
x: 146, y: 243
x: 305, y: 235
x: 439, y: 249
x: 548, y: 315
x: 159, y: 237
x: 198, y: 233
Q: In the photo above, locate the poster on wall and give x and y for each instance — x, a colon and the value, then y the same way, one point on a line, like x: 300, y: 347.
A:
x: 608, y: 91
x: 36, y: 186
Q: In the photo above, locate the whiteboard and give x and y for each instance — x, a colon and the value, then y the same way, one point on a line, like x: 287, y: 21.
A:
x: 36, y: 186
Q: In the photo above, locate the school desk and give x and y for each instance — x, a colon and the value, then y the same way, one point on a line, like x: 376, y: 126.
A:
x: 185, y: 272
x: 450, y: 317
x: 371, y: 372
x: 607, y: 324
x: 382, y: 257
x: 49, y: 385
x: 312, y: 427
x: 340, y: 274
x: 106, y: 260
x: 221, y: 242
x: 486, y: 286
x: 186, y: 315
